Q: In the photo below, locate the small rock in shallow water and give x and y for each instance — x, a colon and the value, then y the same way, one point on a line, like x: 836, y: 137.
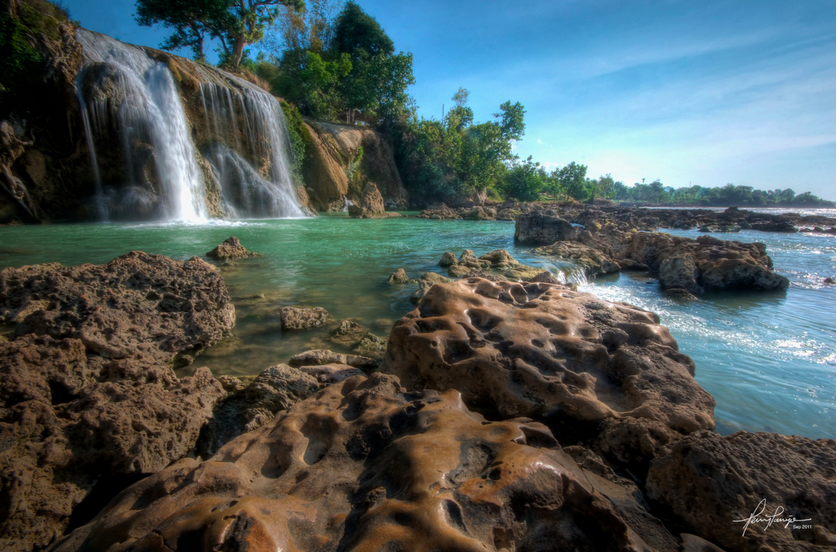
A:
x: 230, y: 249
x: 399, y: 277
x: 300, y: 318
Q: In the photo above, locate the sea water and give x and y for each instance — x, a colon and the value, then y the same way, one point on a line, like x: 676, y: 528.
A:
x: 768, y: 358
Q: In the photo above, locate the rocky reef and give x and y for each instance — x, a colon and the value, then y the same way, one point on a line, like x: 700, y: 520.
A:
x: 683, y: 265
x: 731, y: 219
x: 505, y: 416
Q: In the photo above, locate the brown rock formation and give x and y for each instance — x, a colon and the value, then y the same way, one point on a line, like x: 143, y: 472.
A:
x: 371, y: 204
x: 88, y: 394
x: 591, y: 260
x: 541, y: 229
x: 602, y: 373
x: 728, y: 478
x: 333, y: 167
x: 230, y: 249
x: 361, y: 466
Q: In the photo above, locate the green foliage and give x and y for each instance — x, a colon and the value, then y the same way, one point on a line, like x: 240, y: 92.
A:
x: 524, y: 181
x: 354, y: 175
x: 299, y: 138
x: 657, y: 193
x: 455, y: 157
x: 21, y: 64
x: 359, y: 35
x: 572, y: 180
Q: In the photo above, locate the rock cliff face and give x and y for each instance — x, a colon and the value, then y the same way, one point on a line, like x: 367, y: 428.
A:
x: 114, y: 130
x: 341, y: 160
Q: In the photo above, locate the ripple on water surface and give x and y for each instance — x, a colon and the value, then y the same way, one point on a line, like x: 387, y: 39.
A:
x: 768, y: 358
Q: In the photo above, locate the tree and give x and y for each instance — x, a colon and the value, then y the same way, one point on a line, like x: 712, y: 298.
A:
x: 190, y: 21
x: 244, y: 23
x: 572, y: 179
x: 524, y: 181
x: 376, y: 88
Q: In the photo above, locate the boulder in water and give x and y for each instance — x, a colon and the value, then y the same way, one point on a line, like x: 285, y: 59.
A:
x: 302, y: 318
x: 230, y: 249
x: 371, y: 205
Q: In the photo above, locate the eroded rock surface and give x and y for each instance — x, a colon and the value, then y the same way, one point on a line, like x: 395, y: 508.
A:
x: 363, y: 466
x: 88, y: 393
x: 708, y: 481
x: 606, y: 374
x: 592, y: 261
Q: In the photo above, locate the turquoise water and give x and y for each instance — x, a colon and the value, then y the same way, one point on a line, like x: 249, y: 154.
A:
x: 767, y: 358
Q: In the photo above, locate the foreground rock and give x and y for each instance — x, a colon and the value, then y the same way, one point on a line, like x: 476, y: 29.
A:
x: 498, y: 263
x: 604, y: 374
x: 371, y: 205
x: 590, y: 260
x: 89, y: 398
x: 729, y: 477
x: 230, y: 249
x: 361, y: 466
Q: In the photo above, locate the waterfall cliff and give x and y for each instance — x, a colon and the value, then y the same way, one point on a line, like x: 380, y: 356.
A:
x: 170, y: 139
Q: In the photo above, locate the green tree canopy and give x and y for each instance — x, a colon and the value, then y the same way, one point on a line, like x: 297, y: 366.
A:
x: 190, y: 21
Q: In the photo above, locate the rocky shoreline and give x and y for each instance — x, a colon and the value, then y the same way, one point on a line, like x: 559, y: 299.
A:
x: 504, y: 415
x: 731, y: 219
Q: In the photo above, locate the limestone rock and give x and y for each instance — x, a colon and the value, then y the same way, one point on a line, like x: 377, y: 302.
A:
x: 679, y: 271
x: 137, y: 304
x: 274, y: 389
x: 592, y: 261
x: 399, y: 277
x: 359, y: 339
x: 371, y: 204
x: 321, y: 357
x: 729, y: 477
x: 448, y: 259
x: 361, y: 466
x: 230, y: 249
x: 606, y: 373
x: 88, y: 395
x: 541, y: 229
x: 301, y: 318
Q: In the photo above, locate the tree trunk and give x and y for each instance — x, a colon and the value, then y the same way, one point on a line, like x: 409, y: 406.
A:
x: 238, y: 50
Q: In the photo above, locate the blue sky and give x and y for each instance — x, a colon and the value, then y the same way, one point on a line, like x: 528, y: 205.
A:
x: 704, y: 92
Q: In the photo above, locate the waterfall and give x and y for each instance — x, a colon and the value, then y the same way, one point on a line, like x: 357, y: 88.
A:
x: 249, y: 114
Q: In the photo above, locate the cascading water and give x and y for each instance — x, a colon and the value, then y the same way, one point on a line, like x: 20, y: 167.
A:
x: 149, y: 109
x: 127, y: 97
x: 252, y: 115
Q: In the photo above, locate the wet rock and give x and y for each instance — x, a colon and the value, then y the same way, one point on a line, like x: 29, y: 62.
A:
x: 358, y: 338
x: 679, y: 294
x: 679, y: 271
x: 544, y: 277
x: 729, y: 477
x: 448, y: 259
x: 399, y: 277
x: 274, y: 389
x: 541, y: 229
x: 361, y: 466
x: 438, y: 212
x: 331, y: 373
x: 321, y: 357
x: 592, y: 261
x: 300, y: 318
x: 606, y: 374
x: 828, y: 281
x: 230, y: 249
x: 459, y: 271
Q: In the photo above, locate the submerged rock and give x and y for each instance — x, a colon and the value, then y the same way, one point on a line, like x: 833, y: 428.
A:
x: 362, y: 466
x: 359, y: 339
x: 89, y: 398
x: 606, y: 374
x: 230, y: 249
x: 301, y: 318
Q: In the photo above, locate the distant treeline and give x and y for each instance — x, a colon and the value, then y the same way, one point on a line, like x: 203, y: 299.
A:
x: 657, y: 193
